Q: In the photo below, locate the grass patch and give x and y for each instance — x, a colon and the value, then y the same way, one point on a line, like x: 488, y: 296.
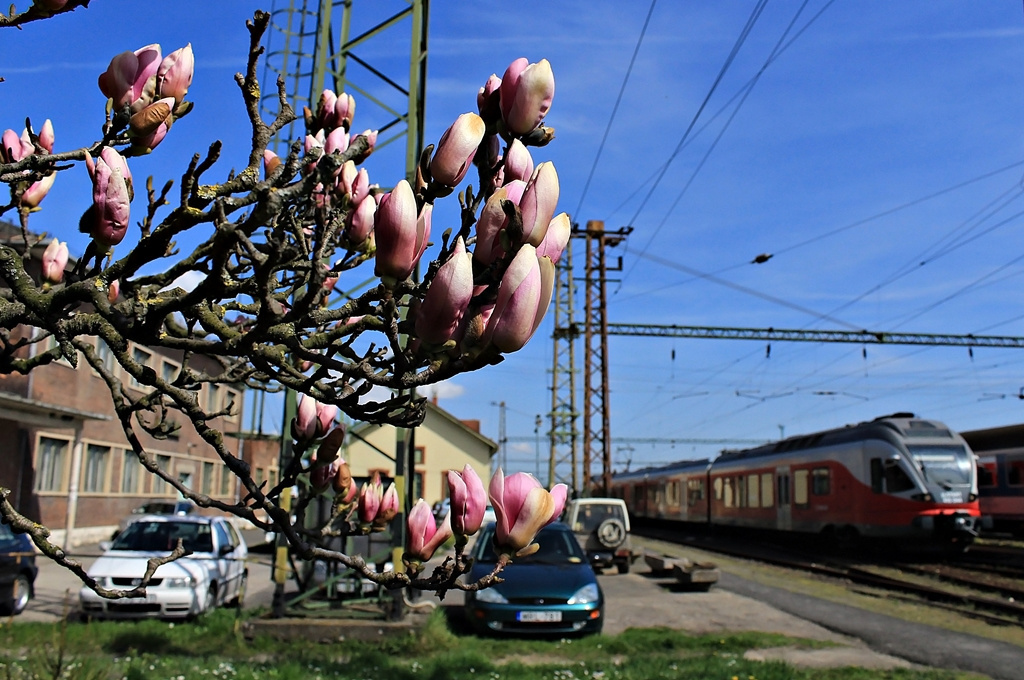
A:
x: 212, y: 648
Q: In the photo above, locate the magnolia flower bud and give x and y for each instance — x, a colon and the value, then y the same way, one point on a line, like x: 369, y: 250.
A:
x: 174, y: 76
x: 54, y: 260
x: 538, y: 203
x: 522, y: 507
x: 423, y: 537
x: 455, y: 151
x: 126, y: 77
x: 447, y: 298
x: 468, y: 501
x: 526, y: 92
x: 400, y: 233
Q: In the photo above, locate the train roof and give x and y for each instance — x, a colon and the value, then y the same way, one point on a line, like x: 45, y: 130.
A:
x: 995, y: 438
x: 678, y: 466
x: 896, y: 425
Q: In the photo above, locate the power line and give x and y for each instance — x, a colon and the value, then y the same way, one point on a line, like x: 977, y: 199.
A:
x: 615, y: 109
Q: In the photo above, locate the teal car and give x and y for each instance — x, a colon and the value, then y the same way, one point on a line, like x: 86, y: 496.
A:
x: 552, y: 592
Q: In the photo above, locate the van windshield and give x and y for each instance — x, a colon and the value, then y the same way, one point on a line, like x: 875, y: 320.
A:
x: 945, y: 465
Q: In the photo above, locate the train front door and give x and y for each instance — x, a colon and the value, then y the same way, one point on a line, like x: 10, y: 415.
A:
x: 784, y: 517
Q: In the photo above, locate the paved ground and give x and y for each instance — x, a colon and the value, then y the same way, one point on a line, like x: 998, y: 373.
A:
x: 735, y: 604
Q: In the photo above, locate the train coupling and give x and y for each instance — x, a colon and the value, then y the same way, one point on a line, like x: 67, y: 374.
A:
x: 955, y: 526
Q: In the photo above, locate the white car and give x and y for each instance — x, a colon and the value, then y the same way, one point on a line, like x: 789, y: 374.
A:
x: 214, y: 574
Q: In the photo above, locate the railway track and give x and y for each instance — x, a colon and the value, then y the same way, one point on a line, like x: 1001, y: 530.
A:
x: 994, y: 601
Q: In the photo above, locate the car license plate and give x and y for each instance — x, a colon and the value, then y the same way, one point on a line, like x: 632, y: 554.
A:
x: 539, y: 617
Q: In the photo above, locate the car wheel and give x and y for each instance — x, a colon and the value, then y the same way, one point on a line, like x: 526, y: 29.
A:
x: 611, y: 533
x: 21, y: 592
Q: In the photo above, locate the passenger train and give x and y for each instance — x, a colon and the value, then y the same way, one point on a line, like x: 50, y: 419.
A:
x: 1000, y: 452
x: 895, y: 477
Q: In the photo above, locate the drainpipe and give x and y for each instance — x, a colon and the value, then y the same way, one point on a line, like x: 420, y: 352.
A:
x: 76, y: 473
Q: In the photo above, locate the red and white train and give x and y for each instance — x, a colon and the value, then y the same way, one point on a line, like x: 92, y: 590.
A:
x: 1000, y: 452
x: 895, y: 477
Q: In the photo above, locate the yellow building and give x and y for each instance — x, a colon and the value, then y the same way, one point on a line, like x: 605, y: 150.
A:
x: 442, y: 443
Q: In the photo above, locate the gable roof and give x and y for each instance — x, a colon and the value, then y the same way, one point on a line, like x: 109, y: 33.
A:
x: 361, y: 430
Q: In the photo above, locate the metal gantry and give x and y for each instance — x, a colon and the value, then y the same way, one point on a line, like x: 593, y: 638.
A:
x: 310, y: 46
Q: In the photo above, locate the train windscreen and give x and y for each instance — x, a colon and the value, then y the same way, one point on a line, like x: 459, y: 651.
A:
x: 945, y: 465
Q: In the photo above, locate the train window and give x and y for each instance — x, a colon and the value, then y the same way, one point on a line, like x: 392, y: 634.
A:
x: 896, y: 479
x: 673, y: 493
x: 727, y: 495
x: 718, y: 488
x: 1015, y: 472
x: 741, y: 492
x: 987, y: 474
x: 753, y: 499
x: 694, y: 491
x: 800, y: 497
x: 767, y: 500
x: 820, y: 482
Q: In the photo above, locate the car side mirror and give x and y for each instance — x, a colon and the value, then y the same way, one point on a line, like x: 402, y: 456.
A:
x: 105, y: 545
x: 225, y: 549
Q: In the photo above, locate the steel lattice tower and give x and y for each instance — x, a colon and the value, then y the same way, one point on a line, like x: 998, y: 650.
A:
x: 564, y: 435
x: 310, y: 46
x: 597, y: 442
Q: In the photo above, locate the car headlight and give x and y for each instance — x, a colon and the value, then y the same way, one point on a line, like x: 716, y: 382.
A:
x: 183, y: 582
x: 585, y: 595
x: 491, y: 595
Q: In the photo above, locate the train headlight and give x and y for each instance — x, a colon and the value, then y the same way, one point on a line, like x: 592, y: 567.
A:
x: 924, y: 497
x: 972, y: 497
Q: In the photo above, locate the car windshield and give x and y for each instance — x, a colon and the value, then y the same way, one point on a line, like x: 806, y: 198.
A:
x: 557, y: 546
x: 160, y: 536
x: 590, y: 515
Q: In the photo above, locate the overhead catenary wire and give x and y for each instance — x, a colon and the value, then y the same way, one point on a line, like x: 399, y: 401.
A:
x: 615, y: 109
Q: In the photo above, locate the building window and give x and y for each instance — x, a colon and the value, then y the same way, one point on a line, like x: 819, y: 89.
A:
x: 161, y: 487
x: 94, y: 474
x: 104, y: 354
x: 213, y: 402
x: 272, y: 478
x: 226, y: 481
x: 259, y: 476
x: 417, y: 484
x: 141, y: 357
x: 50, y: 460
x: 232, y: 400
x: 168, y: 371
x: 207, y: 481
x: 418, y: 455
x: 131, y: 473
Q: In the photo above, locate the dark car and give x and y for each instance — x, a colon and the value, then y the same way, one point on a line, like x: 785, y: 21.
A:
x: 552, y: 592
x: 17, y: 571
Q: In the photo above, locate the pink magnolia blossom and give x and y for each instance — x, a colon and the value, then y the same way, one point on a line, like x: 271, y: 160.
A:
x: 359, y: 222
x: 107, y: 219
x: 538, y: 203
x: 312, y: 419
x: 54, y: 260
x: 46, y: 137
x: 126, y: 77
x: 447, y: 297
x: 524, y: 294
x: 518, y: 163
x: 487, y: 100
x: 113, y: 291
x: 522, y: 507
x: 174, y: 76
x: 456, y: 149
x: 15, y: 147
x: 526, y: 92
x: 334, y: 111
x: 388, y: 506
x: 468, y: 501
x: 556, y: 238
x: 370, y: 498
x: 493, y: 220
x: 424, y: 537
x: 36, y: 192
x: 401, y: 234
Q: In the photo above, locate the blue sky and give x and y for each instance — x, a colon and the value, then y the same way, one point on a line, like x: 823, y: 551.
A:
x: 841, y: 161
